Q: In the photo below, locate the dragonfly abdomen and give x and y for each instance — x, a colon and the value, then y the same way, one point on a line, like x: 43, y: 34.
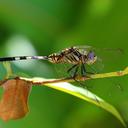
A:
x: 16, y: 58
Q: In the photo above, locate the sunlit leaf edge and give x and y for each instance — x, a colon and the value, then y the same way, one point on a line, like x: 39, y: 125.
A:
x: 86, y: 95
x: 79, y: 92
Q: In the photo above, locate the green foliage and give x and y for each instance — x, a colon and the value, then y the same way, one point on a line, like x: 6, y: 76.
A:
x: 51, y: 26
x: 86, y: 95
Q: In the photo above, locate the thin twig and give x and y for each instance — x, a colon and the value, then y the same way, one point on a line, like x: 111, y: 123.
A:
x: 40, y: 81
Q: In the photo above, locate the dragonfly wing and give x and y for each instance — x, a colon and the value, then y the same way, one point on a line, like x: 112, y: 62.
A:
x: 84, y: 49
x: 105, y: 56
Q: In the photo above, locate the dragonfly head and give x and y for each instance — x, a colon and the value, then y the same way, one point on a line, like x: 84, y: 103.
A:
x: 91, y: 58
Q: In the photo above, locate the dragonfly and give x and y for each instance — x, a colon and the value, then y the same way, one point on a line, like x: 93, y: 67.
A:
x: 77, y: 56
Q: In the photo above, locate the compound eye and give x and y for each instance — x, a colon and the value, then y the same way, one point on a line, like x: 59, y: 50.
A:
x: 91, y: 55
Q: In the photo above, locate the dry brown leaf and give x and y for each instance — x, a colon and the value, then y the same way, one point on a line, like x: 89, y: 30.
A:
x: 13, y: 104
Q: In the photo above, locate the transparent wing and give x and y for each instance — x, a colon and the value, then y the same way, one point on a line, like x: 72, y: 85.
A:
x: 100, y: 51
x: 106, y: 57
x: 84, y: 49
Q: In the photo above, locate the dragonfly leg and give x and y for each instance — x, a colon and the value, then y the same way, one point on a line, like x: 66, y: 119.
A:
x: 75, y: 72
x: 83, y: 70
x: 74, y: 76
x: 70, y: 69
x: 93, y: 69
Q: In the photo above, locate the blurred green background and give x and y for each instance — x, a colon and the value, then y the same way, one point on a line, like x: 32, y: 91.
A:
x: 41, y: 27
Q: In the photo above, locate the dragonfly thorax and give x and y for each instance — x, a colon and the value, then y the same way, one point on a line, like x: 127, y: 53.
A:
x: 55, y: 58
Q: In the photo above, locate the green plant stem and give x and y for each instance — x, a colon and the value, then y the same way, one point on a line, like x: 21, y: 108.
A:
x: 40, y: 81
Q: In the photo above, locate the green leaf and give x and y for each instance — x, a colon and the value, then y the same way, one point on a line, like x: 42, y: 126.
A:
x: 79, y: 92
x: 86, y: 95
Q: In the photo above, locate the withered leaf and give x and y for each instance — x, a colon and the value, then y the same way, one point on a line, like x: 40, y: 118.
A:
x: 13, y: 104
